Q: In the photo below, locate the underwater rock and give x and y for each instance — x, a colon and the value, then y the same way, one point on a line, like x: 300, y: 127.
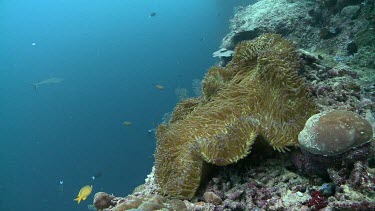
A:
x: 247, y: 186
x: 150, y: 206
x: 211, y: 197
x: 351, y: 12
x: 259, y: 18
x: 361, y: 179
x: 177, y: 204
x: 129, y: 203
x: 348, y: 199
x: 156, y: 198
x: 103, y: 200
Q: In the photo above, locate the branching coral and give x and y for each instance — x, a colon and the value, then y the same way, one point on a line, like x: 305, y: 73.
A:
x: 258, y: 93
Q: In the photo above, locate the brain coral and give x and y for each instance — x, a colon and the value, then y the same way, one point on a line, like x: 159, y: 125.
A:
x: 334, y: 132
x: 257, y: 94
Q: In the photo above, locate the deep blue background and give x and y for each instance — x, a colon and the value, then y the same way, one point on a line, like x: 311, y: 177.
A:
x: 109, y: 53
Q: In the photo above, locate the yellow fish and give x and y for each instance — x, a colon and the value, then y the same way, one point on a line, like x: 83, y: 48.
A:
x: 84, y: 193
x: 158, y: 86
x: 127, y: 123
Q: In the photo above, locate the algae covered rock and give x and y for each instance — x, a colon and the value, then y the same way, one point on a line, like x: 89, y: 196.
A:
x: 334, y: 132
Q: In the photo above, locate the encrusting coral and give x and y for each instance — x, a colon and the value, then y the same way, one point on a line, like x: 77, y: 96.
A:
x: 258, y: 93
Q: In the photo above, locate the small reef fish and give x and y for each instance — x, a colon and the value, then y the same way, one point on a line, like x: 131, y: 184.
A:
x: 127, y: 123
x: 48, y: 81
x: 84, y: 193
x: 153, y: 14
x: 158, y: 86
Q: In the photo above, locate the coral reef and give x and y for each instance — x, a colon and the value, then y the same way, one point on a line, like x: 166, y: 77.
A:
x: 259, y: 98
x: 247, y: 185
x: 274, y: 185
x: 338, y: 68
x: 253, y: 101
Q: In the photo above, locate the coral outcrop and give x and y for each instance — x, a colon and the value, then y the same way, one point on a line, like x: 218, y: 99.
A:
x: 333, y: 140
x: 334, y: 132
x: 283, y: 17
x: 258, y: 94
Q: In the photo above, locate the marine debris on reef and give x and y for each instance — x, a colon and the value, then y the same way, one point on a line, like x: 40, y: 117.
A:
x: 217, y: 152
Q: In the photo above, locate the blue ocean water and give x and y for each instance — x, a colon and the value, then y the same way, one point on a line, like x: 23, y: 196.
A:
x: 109, y: 53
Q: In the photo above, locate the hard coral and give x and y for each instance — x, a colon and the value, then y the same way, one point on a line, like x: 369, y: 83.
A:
x: 260, y: 95
x: 332, y: 133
